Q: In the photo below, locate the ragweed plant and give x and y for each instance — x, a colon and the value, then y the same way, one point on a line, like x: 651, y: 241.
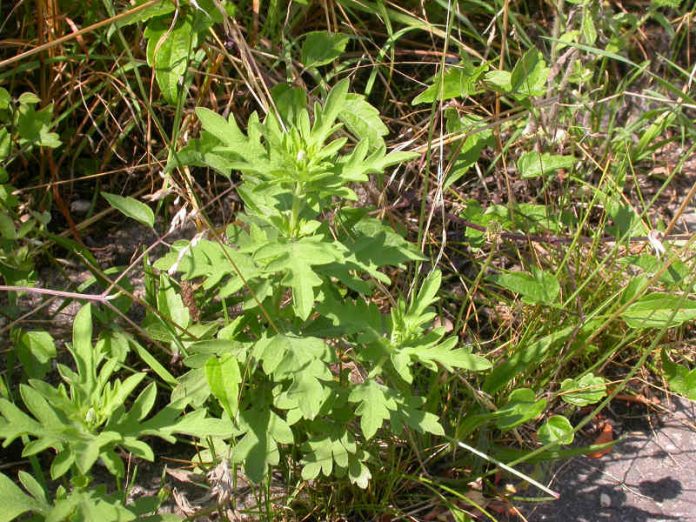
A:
x: 310, y: 357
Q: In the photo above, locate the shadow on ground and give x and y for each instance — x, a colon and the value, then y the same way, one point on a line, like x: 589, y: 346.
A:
x: 649, y: 476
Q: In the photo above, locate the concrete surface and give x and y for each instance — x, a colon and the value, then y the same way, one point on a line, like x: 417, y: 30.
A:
x: 649, y: 476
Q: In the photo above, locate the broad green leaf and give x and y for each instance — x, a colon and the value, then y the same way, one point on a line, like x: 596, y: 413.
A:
x: 534, y: 164
x: 681, y: 380
x: 529, y: 75
x: 7, y: 227
x: 556, y: 430
x: 587, y: 390
x: 499, y: 80
x: 226, y: 131
x: 87, y: 452
x: 34, y: 126
x: 676, y: 275
x: 588, y: 29
x: 83, y: 351
x: 374, y: 406
x: 539, y: 287
x: 35, y: 350
x: 224, y: 377
x: 457, y: 82
x: 521, y: 407
x: 168, y: 51
x: 5, y: 148
x: 478, y: 137
x: 5, y: 99
x: 159, y: 9
x: 14, y: 500
x: 15, y: 423
x: 131, y: 208
x: 322, y: 47
x: 659, y: 310
x: 363, y: 120
x: 28, y: 98
x: 171, y: 305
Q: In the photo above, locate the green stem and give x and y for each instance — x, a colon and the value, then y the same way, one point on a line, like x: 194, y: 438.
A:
x: 297, y: 202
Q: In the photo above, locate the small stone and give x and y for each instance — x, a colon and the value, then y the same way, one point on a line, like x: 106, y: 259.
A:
x: 604, y: 500
x: 80, y: 206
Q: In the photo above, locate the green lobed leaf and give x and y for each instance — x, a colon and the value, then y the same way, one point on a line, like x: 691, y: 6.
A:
x: 14, y: 501
x: 409, y: 413
x: 295, y: 260
x: 447, y: 356
x: 263, y: 430
x: 374, y: 406
x: 363, y: 120
x: 358, y: 472
x: 322, y: 452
